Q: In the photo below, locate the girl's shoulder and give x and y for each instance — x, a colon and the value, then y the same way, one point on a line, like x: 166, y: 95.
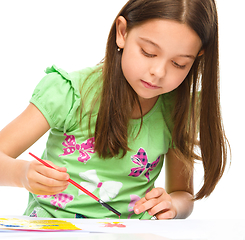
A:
x: 58, y: 94
x: 76, y: 78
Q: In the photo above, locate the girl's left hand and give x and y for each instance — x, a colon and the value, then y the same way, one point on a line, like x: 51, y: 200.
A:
x: 157, y: 203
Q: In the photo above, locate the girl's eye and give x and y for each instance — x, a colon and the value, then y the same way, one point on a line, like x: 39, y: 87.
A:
x: 178, y: 66
x: 147, y: 54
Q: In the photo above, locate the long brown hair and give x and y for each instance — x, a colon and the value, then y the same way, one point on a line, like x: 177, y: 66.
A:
x: 194, y: 111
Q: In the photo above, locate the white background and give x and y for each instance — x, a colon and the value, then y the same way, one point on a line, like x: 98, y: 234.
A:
x: 72, y: 35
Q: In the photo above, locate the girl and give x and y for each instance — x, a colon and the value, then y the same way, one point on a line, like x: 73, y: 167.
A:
x: 111, y: 125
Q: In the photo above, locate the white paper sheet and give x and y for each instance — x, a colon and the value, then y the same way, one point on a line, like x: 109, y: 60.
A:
x: 142, y: 229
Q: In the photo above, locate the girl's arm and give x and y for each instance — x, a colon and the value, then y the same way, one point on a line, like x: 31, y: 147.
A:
x: 176, y: 200
x: 15, y: 138
x: 176, y: 184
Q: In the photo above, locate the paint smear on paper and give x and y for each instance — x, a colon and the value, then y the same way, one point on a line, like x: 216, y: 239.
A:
x: 113, y: 224
x: 36, y: 225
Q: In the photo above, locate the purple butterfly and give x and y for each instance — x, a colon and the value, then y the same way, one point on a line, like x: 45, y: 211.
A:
x: 141, y: 159
x: 84, y: 149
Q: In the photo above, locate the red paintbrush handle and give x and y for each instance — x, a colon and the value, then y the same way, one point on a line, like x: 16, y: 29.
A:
x: 69, y: 180
x: 41, y: 161
x: 83, y: 189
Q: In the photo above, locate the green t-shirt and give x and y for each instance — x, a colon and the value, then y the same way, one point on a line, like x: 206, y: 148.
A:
x: 119, y: 182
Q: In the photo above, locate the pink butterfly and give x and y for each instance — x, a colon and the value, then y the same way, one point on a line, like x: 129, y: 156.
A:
x: 134, y: 199
x: 60, y: 200
x: 84, y: 149
x: 141, y: 159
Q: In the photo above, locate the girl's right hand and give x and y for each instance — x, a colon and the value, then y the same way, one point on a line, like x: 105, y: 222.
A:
x: 41, y: 180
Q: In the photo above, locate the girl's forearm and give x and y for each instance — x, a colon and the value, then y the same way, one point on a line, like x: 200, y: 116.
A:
x: 183, y: 203
x: 10, y: 171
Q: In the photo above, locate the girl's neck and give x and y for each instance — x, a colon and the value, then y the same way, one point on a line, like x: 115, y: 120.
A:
x: 146, y: 105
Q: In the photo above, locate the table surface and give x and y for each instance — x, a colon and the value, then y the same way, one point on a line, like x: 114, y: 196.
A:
x: 92, y: 229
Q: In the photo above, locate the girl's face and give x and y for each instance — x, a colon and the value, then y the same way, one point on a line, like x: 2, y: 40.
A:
x: 157, y: 55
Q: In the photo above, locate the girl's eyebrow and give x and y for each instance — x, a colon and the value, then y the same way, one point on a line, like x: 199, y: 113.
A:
x: 157, y: 46
x: 149, y: 41
x: 187, y: 56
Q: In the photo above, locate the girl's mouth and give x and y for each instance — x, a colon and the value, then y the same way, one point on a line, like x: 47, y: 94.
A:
x: 149, y: 85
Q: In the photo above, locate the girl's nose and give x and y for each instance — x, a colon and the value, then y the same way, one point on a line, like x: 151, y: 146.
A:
x: 158, y: 70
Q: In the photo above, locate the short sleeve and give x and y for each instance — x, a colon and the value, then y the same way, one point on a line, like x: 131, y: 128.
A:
x: 57, y: 97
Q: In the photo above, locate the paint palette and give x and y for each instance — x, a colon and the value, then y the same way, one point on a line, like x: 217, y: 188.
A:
x: 36, y: 225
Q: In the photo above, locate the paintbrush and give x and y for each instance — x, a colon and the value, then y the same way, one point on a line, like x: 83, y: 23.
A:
x: 81, y: 188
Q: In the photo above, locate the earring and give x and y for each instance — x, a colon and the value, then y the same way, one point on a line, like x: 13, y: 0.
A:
x: 119, y: 49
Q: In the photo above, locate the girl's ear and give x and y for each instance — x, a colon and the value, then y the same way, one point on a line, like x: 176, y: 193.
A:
x: 121, y: 31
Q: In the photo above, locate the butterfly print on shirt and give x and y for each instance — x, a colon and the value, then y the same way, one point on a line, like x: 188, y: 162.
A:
x: 141, y: 160
x: 108, y: 190
x: 84, y: 149
x: 59, y: 200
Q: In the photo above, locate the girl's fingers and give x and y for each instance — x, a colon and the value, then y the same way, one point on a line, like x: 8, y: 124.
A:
x: 43, y: 180
x: 160, y: 207
x: 50, y: 182
x: 162, y: 210
x: 155, y: 201
x: 60, y: 169
x: 41, y: 189
x: 53, y: 173
x: 38, y: 178
x: 146, y: 206
x: 141, y: 201
x: 151, y: 196
x: 166, y: 215
x: 138, y: 206
x: 155, y: 193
